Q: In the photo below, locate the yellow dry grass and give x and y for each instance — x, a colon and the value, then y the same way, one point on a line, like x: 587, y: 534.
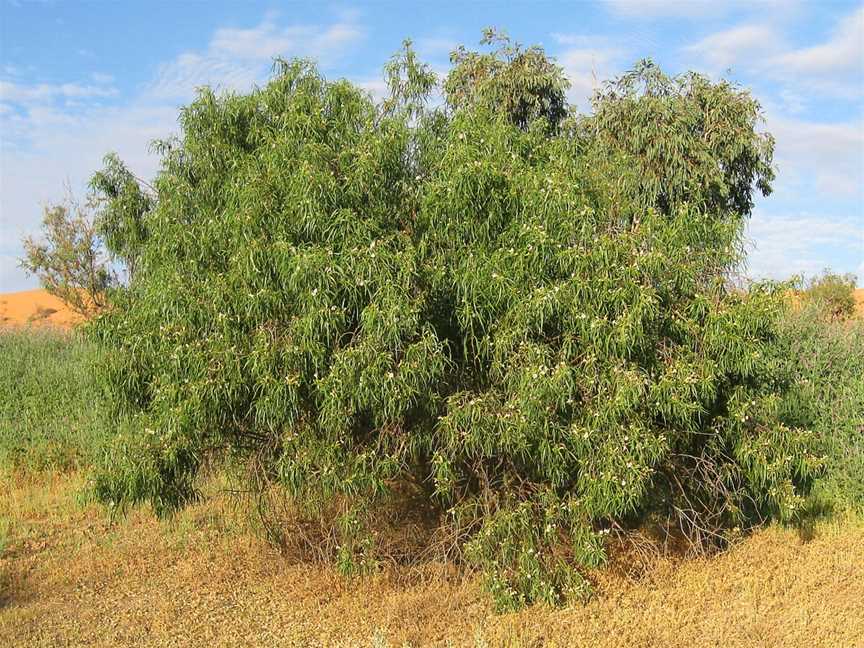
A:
x: 69, y: 577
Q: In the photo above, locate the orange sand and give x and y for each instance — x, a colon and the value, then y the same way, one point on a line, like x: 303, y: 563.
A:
x: 39, y: 308
x: 35, y: 307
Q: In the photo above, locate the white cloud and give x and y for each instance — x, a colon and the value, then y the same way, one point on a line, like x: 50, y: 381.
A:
x: 47, y: 142
x: 785, y: 245
x: 843, y: 53
x: 698, y: 9
x: 268, y: 40
x: 237, y: 58
x: 44, y: 92
x: 835, y: 67
x: 665, y: 8
x: 743, y: 43
x: 435, y: 47
x: 829, y: 154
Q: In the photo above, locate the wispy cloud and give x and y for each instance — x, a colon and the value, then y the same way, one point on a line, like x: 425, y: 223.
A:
x: 237, y: 58
x: 783, y: 245
x: 588, y: 61
x: 842, y: 54
x: 665, y: 8
x: 54, y: 134
x: 268, y: 40
x: 42, y: 92
x: 435, y: 47
x: 727, y: 48
x: 835, y: 67
x: 830, y: 155
x: 699, y: 9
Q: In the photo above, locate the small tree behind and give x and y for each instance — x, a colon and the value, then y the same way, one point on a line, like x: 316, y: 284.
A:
x: 70, y: 260
x: 833, y: 293
x: 82, y: 244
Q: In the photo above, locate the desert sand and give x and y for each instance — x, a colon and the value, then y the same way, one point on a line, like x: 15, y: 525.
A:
x: 35, y: 307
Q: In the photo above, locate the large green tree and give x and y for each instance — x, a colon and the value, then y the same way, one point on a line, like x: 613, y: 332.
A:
x: 519, y: 309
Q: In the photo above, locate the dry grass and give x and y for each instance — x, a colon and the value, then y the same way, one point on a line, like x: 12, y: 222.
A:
x: 69, y: 577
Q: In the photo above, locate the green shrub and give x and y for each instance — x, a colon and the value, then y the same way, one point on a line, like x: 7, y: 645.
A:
x: 826, y: 363
x: 833, y: 293
x: 520, y: 310
x: 50, y: 407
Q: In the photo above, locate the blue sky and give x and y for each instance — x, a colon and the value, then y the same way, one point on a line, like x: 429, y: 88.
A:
x: 79, y: 79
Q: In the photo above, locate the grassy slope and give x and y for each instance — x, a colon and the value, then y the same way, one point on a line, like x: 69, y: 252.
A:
x: 204, y: 580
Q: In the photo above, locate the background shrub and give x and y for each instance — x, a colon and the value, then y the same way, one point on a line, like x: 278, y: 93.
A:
x: 834, y: 294
x: 519, y: 310
x: 51, y: 416
x: 826, y: 364
x: 69, y: 259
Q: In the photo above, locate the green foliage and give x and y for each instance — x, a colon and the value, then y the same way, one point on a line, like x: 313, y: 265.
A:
x: 51, y: 416
x: 483, y: 299
x: 826, y: 364
x: 522, y: 84
x: 122, y: 204
x: 69, y: 259
x: 834, y: 294
x: 685, y: 139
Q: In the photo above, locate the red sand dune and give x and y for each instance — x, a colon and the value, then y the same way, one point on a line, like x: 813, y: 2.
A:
x: 35, y: 307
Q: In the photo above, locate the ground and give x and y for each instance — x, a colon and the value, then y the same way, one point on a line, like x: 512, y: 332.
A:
x: 69, y: 575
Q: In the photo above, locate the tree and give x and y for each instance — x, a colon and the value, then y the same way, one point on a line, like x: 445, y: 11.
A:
x: 69, y: 259
x: 484, y: 299
x: 83, y: 245
x: 524, y: 85
x: 685, y: 140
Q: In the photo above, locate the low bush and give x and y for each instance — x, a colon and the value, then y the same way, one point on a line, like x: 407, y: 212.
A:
x: 519, y: 310
x: 51, y: 416
x: 833, y: 293
x: 826, y: 365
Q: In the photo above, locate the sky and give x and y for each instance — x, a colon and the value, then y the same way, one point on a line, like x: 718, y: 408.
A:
x: 80, y: 79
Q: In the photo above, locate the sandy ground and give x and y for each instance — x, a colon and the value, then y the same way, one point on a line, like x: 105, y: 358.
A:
x: 35, y: 307
x: 69, y: 577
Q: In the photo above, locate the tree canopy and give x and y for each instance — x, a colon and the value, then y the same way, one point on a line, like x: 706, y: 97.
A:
x: 519, y: 309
